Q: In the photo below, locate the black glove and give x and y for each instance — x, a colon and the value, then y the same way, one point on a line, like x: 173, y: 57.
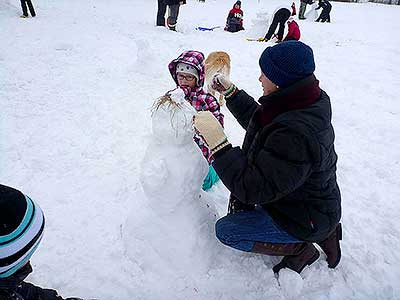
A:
x: 236, y: 206
x: 11, y: 282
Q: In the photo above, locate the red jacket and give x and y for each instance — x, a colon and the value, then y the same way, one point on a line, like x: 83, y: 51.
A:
x: 236, y: 13
x: 293, y: 31
x: 293, y: 9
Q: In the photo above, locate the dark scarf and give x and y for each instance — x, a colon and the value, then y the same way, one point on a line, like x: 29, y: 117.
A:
x: 297, y: 96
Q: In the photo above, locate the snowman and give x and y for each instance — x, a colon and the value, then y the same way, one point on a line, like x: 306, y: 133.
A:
x: 171, y: 233
x: 312, y: 14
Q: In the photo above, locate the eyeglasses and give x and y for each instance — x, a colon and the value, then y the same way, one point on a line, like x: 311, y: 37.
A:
x: 186, y: 77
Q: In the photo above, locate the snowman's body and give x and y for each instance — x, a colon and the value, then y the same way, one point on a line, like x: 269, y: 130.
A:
x: 175, y: 228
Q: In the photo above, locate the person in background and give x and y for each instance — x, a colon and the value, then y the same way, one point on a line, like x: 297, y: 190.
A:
x: 303, y: 7
x: 161, y: 10
x: 284, y: 193
x: 173, y: 12
x: 234, y: 21
x: 188, y: 72
x: 25, y: 9
x: 279, y: 17
x: 326, y: 10
x: 21, y: 230
x: 293, y: 30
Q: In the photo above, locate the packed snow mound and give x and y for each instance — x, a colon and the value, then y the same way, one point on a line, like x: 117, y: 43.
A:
x: 260, y: 24
x: 6, y: 6
x: 291, y: 283
x: 145, y: 62
x: 173, y: 230
x: 312, y: 14
x: 78, y: 82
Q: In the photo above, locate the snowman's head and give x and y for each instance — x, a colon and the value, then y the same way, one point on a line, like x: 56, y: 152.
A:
x: 172, y: 119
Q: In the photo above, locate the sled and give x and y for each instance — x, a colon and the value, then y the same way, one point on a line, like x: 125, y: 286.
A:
x: 207, y: 28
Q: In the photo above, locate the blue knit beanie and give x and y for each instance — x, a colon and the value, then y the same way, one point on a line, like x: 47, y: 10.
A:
x: 287, y: 62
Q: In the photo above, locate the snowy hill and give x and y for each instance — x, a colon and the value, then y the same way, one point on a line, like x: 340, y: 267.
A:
x: 76, y: 87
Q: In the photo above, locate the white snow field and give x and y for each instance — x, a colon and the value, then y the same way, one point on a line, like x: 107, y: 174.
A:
x: 76, y: 87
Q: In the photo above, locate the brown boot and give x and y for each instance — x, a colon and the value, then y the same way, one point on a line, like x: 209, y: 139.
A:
x: 296, y: 255
x: 331, y: 247
x: 298, y: 261
x: 275, y: 249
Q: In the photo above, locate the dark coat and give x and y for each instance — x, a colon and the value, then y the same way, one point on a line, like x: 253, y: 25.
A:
x: 174, y: 2
x: 235, y: 16
x: 287, y: 162
x: 326, y: 6
x: 234, y: 21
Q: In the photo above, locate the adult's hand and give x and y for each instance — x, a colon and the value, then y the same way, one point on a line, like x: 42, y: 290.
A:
x: 211, y: 130
x: 220, y: 83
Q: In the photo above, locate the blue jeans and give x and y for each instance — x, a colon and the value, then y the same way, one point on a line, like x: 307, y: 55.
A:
x: 241, y: 230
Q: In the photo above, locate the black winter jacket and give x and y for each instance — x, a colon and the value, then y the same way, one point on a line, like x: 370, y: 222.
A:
x: 287, y: 166
x: 326, y: 6
x: 174, y: 2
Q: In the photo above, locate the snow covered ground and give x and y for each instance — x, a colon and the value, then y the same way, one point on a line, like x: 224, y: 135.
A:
x: 76, y: 87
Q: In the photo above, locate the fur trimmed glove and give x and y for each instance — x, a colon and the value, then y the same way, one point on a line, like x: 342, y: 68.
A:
x: 223, y: 85
x: 211, y: 130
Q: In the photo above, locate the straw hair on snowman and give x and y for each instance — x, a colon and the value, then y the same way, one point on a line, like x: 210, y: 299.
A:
x: 211, y: 130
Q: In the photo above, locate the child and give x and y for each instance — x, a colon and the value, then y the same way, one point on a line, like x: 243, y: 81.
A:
x: 234, y: 22
x: 188, y: 73
x: 279, y: 17
x: 293, y: 30
x: 21, y: 229
x: 326, y: 10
